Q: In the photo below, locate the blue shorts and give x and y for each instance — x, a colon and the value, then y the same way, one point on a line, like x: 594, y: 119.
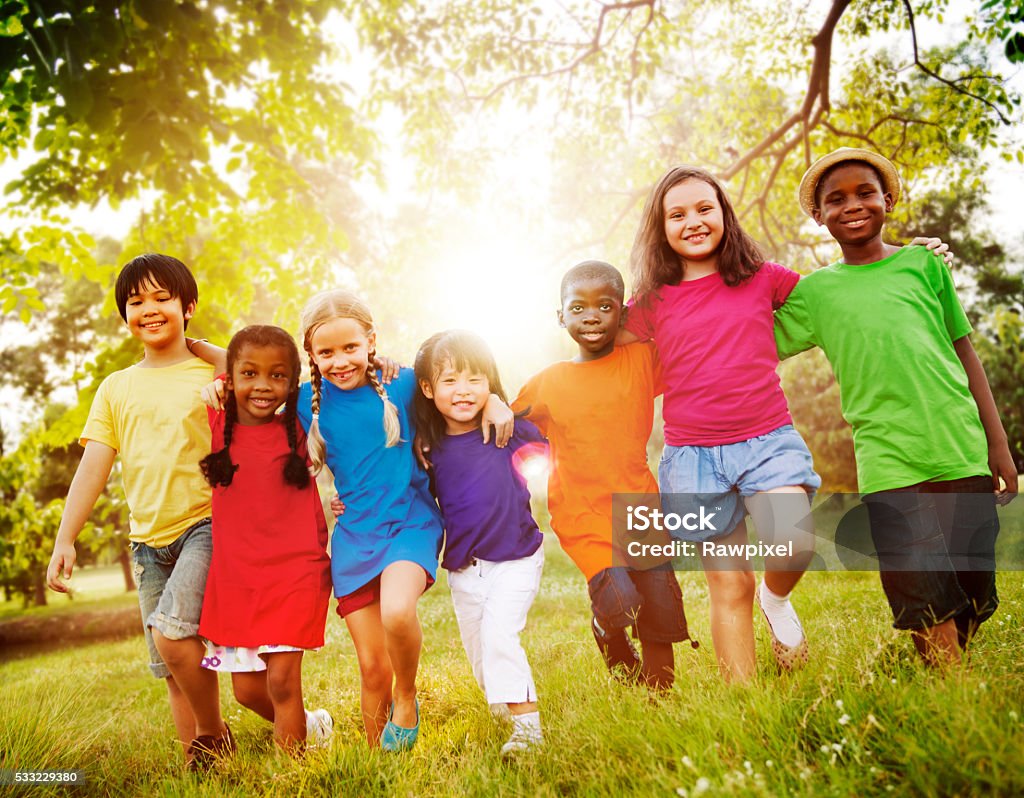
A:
x: 720, y: 477
x: 171, y: 582
x: 650, y: 601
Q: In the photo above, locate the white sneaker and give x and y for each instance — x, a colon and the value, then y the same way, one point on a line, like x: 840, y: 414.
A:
x: 319, y: 728
x: 526, y: 735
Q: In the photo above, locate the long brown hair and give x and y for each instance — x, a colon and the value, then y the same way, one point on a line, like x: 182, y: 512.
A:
x: 653, y: 263
x: 322, y: 308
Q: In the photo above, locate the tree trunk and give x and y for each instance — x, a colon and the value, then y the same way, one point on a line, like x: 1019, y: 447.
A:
x: 126, y: 569
x: 39, y: 593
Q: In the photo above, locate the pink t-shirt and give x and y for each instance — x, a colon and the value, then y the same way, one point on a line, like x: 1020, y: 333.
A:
x: 717, y: 350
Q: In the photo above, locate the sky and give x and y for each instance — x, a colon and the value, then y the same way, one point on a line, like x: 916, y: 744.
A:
x: 492, y: 250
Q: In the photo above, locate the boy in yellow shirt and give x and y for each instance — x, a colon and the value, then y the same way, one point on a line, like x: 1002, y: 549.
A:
x: 152, y: 415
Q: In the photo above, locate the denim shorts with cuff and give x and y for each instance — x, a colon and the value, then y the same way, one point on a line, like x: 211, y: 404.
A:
x: 935, y: 543
x: 171, y: 582
x: 719, y: 478
x: 649, y: 600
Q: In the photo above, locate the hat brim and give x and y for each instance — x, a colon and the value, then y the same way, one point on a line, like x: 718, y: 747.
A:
x: 809, y: 182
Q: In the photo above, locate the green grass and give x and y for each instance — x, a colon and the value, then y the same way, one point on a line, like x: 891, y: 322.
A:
x: 864, y: 718
x: 96, y: 587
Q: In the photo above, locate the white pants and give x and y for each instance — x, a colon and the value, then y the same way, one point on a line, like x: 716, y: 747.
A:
x: 491, y: 602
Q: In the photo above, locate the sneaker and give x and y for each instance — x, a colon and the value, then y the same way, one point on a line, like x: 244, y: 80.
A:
x: 526, y: 736
x: 399, y: 738
x: 788, y: 657
x: 205, y: 749
x: 319, y: 728
x: 620, y: 655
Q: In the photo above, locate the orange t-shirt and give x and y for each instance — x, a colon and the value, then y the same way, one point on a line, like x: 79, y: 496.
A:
x: 597, y: 416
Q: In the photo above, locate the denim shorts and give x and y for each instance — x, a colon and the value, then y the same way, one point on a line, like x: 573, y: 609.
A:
x: 935, y: 543
x: 171, y: 582
x: 649, y: 600
x: 720, y: 477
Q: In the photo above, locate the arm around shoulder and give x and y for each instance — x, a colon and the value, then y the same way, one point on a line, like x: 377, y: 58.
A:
x: 1000, y: 460
x: 86, y: 487
x: 212, y: 354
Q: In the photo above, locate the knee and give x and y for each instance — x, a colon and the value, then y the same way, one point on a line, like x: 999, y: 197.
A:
x: 248, y: 694
x: 734, y: 589
x: 375, y: 672
x: 283, y: 687
x: 399, y: 617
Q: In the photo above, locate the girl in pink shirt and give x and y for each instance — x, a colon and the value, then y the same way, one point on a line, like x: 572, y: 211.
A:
x: 706, y: 296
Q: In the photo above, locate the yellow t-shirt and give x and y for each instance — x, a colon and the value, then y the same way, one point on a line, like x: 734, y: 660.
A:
x: 155, y: 419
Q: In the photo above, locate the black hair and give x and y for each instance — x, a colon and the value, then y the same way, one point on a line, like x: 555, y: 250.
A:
x: 217, y: 466
x: 169, y: 273
x: 593, y: 270
x: 833, y: 167
x: 467, y: 352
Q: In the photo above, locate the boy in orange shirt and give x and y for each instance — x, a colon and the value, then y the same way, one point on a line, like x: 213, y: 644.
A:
x: 575, y: 404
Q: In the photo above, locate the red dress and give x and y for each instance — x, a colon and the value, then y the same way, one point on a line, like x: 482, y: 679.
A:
x: 270, y: 576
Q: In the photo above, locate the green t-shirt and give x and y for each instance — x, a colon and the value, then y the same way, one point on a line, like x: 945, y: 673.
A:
x: 888, y: 329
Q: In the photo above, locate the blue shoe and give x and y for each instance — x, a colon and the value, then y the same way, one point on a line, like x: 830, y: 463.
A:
x: 399, y: 738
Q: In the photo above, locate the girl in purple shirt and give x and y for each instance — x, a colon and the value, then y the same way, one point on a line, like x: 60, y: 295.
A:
x: 493, y: 552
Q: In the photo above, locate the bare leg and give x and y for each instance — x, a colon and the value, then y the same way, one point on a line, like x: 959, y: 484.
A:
x: 198, y: 684
x: 375, y: 670
x: 184, y: 720
x: 732, y: 611
x: 782, y: 515
x: 284, y: 684
x: 938, y: 645
x: 658, y: 666
x: 401, y: 585
x: 251, y: 692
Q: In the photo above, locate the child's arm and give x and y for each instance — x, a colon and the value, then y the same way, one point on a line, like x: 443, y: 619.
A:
x: 624, y: 336
x: 500, y: 416
x: 204, y: 350
x: 935, y: 245
x: 86, y: 487
x: 999, y: 458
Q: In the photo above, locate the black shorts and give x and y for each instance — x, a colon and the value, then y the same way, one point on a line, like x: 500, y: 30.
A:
x: 936, y: 550
x: 650, y: 601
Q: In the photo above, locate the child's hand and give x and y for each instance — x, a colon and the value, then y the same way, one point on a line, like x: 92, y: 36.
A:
x: 337, y: 506
x: 1001, y: 462
x: 388, y: 368
x: 936, y: 245
x: 422, y: 451
x: 63, y: 559
x: 500, y: 415
x: 213, y: 394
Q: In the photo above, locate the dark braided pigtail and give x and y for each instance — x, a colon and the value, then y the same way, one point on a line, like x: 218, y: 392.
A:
x: 314, y: 440
x: 295, y: 471
x: 217, y: 466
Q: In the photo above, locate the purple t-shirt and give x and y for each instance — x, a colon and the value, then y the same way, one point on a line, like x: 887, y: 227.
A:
x: 717, y: 350
x: 483, y: 497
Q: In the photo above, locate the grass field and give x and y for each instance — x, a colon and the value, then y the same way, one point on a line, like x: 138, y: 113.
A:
x: 96, y: 587
x: 863, y: 719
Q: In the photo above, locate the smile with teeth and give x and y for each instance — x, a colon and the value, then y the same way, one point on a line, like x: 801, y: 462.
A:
x: 855, y: 222
x: 592, y: 334
x: 260, y: 401
x: 695, y: 238
x: 152, y: 325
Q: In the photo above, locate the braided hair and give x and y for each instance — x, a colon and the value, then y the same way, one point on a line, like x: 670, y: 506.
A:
x: 217, y: 466
x: 322, y: 308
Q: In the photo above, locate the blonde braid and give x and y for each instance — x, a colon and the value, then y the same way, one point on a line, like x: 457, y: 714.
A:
x: 392, y: 426
x: 315, y: 444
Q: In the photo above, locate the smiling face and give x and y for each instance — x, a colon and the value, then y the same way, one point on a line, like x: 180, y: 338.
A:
x: 459, y: 396
x: 694, y: 223
x: 261, y: 378
x: 852, y: 204
x: 156, y: 317
x: 341, y: 350
x: 591, y: 312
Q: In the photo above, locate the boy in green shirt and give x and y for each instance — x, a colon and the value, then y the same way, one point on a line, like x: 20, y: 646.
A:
x: 932, y: 455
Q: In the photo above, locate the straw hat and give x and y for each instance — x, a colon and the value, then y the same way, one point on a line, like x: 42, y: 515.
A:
x: 809, y: 182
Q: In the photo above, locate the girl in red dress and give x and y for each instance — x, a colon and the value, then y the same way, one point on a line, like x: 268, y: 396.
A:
x: 269, y: 584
